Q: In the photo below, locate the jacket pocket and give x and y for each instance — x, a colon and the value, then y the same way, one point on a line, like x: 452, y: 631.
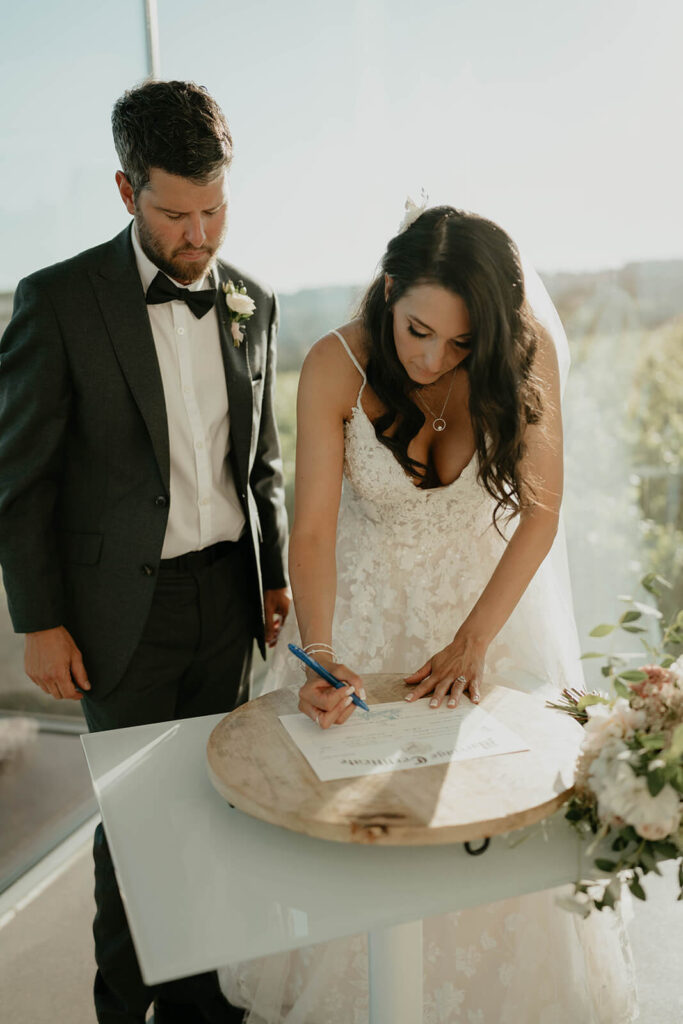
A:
x: 81, y: 548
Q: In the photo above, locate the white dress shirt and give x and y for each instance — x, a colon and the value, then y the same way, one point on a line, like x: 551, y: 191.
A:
x: 204, y: 507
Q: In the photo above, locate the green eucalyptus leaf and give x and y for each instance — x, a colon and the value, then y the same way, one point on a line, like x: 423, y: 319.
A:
x: 602, y: 864
x: 656, y: 781
x: 633, y: 675
x: 651, y: 740
x: 589, y: 699
x: 592, y: 654
x: 602, y: 630
x: 608, y: 900
x: 666, y: 850
x: 651, y: 581
x: 634, y: 629
x: 621, y: 689
x: 637, y: 889
x: 630, y: 616
x: 675, y: 748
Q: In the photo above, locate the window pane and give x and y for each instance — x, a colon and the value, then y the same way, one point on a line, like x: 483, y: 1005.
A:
x: 63, y: 66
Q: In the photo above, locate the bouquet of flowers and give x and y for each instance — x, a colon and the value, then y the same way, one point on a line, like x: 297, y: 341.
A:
x: 628, y: 787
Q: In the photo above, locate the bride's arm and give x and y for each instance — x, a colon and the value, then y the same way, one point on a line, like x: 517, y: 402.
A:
x: 321, y: 404
x: 542, y: 466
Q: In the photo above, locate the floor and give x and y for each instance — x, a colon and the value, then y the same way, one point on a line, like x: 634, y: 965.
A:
x: 46, y: 961
x: 45, y: 794
x: 46, y: 957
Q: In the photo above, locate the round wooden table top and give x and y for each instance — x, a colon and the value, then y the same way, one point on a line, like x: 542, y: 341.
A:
x: 255, y: 765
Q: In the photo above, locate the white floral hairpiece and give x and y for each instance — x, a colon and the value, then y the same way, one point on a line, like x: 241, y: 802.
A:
x: 241, y: 307
x: 413, y: 211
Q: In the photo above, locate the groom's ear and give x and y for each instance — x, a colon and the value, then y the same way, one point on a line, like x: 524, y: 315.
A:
x: 125, y: 191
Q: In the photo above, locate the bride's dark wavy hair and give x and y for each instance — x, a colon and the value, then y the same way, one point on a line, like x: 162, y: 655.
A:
x: 477, y: 260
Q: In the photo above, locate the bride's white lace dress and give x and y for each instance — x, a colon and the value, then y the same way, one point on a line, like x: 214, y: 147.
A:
x: 410, y: 565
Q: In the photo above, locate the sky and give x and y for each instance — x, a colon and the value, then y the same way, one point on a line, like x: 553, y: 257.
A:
x: 560, y: 121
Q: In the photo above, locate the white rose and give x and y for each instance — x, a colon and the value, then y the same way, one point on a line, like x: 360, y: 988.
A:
x: 244, y: 305
x: 604, y: 775
x: 606, y: 723
x: 654, y: 832
x: 677, y: 669
x: 655, y: 816
x: 624, y: 797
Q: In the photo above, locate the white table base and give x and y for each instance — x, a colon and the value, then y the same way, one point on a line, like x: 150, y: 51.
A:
x: 205, y: 885
x: 395, y: 974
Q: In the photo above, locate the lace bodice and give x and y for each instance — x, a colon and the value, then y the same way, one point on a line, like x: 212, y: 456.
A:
x: 377, y: 487
x: 387, y: 494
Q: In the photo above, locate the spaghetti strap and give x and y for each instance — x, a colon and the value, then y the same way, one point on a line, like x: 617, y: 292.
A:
x: 353, y: 360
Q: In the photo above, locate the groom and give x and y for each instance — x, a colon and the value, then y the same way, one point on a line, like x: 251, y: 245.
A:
x: 142, y: 521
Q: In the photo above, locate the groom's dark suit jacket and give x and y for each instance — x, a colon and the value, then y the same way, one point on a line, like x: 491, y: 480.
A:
x: 84, y: 452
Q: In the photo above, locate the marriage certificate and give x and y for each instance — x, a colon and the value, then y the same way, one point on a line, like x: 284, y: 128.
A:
x: 391, y: 737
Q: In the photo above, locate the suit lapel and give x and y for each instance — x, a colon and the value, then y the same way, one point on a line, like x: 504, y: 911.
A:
x: 122, y: 302
x: 238, y: 380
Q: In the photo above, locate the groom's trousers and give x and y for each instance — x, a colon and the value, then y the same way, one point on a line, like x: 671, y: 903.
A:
x: 194, y: 658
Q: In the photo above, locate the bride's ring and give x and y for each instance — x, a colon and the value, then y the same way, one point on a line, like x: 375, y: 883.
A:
x: 461, y: 679
x: 317, y: 719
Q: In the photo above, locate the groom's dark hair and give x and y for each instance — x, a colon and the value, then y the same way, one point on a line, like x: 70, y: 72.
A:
x: 176, y: 126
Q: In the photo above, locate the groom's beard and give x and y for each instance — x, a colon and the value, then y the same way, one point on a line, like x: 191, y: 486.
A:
x: 174, y: 265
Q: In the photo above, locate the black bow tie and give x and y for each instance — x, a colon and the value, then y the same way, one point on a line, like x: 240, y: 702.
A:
x: 162, y: 289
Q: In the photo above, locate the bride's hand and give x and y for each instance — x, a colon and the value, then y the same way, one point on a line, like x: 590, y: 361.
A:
x: 324, y: 704
x: 455, y: 670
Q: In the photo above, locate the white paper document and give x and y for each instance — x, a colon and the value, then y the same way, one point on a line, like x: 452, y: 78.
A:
x: 391, y: 737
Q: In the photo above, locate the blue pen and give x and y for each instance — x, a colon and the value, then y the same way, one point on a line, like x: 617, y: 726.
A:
x: 324, y: 674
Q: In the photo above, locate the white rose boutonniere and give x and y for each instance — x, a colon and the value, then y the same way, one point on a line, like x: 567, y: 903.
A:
x: 240, y: 308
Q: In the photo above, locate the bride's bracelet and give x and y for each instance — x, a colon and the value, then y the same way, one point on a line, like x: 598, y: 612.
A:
x: 318, y: 645
x: 320, y: 648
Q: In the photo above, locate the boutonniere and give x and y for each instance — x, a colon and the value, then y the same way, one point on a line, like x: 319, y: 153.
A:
x: 240, y: 308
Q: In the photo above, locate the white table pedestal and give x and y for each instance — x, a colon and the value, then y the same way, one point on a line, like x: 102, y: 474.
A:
x: 395, y: 974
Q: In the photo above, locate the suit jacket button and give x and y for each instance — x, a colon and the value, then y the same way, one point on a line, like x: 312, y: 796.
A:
x: 147, y: 570
x: 161, y: 501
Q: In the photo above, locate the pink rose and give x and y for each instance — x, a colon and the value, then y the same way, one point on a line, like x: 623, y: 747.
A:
x: 657, y: 678
x: 654, y: 830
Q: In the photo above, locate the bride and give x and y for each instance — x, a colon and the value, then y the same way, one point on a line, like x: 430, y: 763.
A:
x: 428, y: 490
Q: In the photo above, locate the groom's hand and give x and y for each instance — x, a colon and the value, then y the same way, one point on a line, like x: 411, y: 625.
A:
x: 54, y: 663
x: 276, y: 607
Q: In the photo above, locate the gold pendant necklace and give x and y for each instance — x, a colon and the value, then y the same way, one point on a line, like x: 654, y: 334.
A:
x: 438, y: 422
